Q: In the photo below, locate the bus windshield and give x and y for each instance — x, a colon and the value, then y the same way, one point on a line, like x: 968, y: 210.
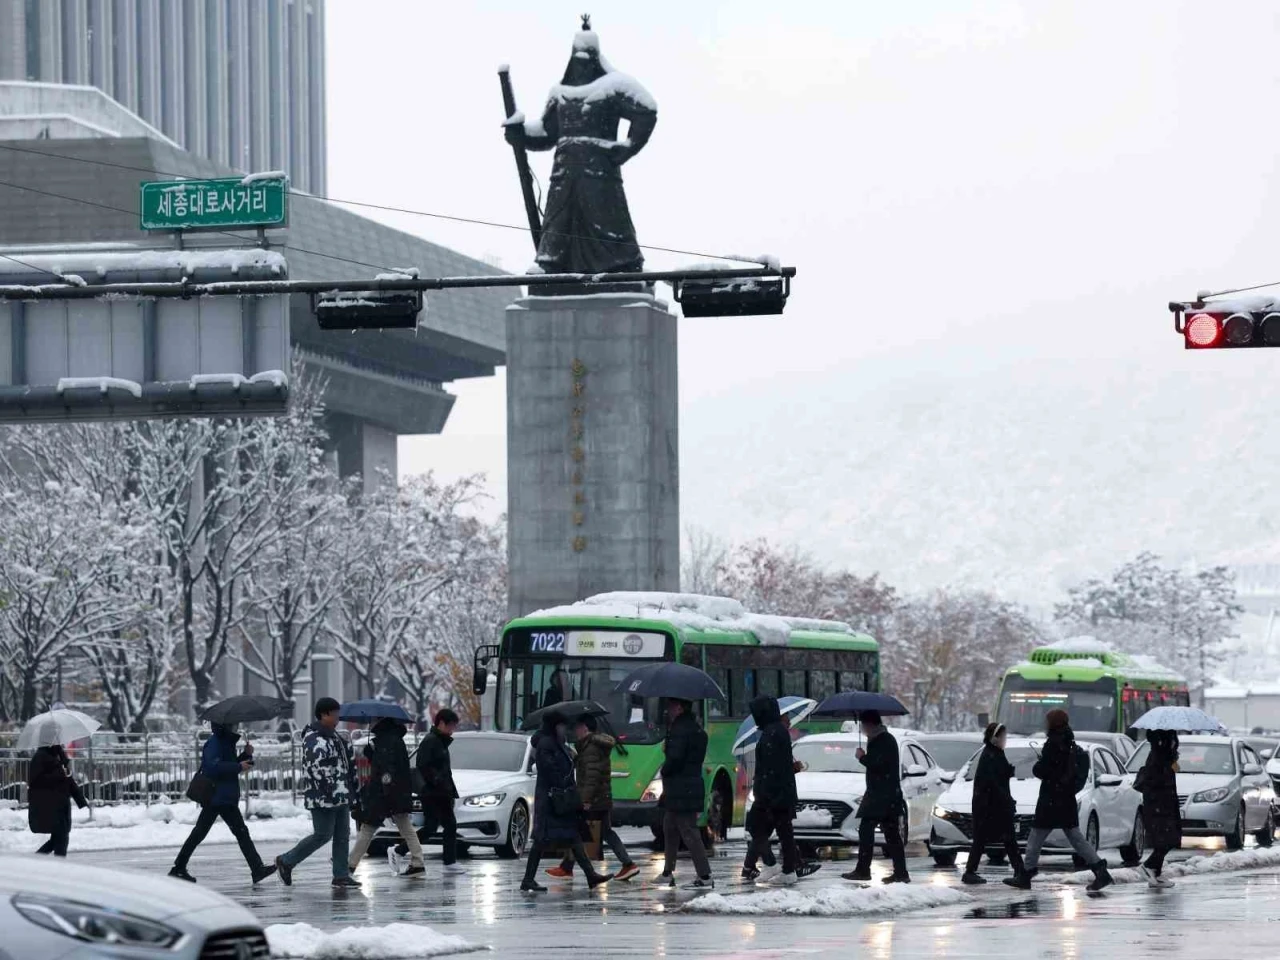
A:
x: 1024, y: 704
x: 525, y: 685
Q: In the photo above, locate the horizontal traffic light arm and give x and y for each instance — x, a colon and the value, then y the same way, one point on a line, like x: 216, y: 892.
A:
x: 185, y: 289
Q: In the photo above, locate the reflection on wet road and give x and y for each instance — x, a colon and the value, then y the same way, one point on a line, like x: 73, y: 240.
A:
x: 1203, y: 917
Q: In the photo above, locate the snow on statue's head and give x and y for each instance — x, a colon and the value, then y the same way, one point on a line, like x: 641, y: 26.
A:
x: 586, y: 64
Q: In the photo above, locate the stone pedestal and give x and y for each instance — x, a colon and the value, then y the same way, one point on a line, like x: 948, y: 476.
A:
x: 592, y: 452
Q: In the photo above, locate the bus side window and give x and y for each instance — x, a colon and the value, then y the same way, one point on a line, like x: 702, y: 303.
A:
x: 793, y: 683
x: 849, y: 680
x: 822, y: 684
x: 716, y: 708
x: 767, y: 683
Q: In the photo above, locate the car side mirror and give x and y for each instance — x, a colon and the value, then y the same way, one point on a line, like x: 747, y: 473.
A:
x: 1268, y: 754
x: 1109, y: 780
x: 948, y: 778
x: 915, y: 770
x: 479, y: 681
x: 1252, y: 769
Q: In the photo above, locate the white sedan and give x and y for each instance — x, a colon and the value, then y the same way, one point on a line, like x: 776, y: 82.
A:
x: 1110, y: 809
x: 832, y: 783
x: 495, y: 779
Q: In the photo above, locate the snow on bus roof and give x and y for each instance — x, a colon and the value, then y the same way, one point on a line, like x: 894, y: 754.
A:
x: 694, y: 611
x: 1085, y: 645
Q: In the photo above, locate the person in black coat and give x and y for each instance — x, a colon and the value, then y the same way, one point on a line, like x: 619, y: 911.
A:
x: 50, y: 790
x: 993, y: 805
x: 684, y: 793
x: 1063, y: 770
x: 387, y: 796
x: 556, y: 805
x: 774, y: 787
x: 882, y: 804
x: 438, y: 788
x: 1157, y: 781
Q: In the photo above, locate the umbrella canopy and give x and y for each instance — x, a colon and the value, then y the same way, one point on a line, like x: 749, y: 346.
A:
x: 56, y: 727
x: 797, y: 708
x: 1179, y: 719
x: 246, y: 709
x: 367, y: 711
x: 669, y: 679
x: 571, y: 710
x: 853, y: 703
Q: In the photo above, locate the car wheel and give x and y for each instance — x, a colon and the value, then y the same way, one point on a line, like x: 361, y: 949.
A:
x: 1235, y: 839
x: 517, y: 833
x: 1091, y: 835
x: 1131, y: 853
x: 1267, y: 835
x: 945, y: 859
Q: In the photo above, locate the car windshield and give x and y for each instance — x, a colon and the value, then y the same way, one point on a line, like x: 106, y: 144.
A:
x: 827, y: 757
x: 487, y: 753
x: 950, y: 754
x: 1213, y: 758
x: 1022, y: 758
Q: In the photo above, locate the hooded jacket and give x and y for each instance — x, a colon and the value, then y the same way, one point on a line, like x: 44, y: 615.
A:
x: 594, y: 767
x: 683, y: 789
x: 220, y: 762
x: 331, y: 776
x: 389, y: 791
x: 1157, y: 781
x: 775, y: 777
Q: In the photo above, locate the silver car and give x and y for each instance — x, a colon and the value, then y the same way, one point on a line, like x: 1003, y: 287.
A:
x: 1222, y: 788
x: 50, y: 908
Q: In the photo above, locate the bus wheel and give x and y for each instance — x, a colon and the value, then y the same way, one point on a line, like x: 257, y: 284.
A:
x: 719, y: 812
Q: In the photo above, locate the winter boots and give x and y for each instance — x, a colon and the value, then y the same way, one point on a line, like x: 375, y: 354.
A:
x: 1101, y: 877
x: 1021, y: 881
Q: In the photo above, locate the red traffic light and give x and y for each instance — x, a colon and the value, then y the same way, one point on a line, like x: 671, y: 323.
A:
x: 1203, y: 330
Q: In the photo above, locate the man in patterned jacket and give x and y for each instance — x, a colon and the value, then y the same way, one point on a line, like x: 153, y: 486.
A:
x: 331, y: 786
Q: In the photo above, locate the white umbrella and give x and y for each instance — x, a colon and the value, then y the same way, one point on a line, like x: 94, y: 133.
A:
x: 56, y: 727
x: 1180, y: 720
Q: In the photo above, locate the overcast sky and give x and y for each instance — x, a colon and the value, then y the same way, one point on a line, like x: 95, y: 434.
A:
x: 955, y: 186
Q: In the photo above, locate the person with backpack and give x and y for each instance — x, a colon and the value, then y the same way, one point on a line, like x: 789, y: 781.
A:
x: 593, y: 765
x: 993, y: 805
x: 1157, y: 781
x: 1063, y: 770
x: 775, y: 794
x: 222, y: 764
x: 438, y: 790
x: 388, y: 795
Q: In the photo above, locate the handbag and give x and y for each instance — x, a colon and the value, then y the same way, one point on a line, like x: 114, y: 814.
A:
x: 566, y: 802
x: 201, y: 789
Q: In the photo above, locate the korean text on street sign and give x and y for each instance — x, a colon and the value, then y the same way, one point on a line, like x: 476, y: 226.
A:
x: 213, y: 204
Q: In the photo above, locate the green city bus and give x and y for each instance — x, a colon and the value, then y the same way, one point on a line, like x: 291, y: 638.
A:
x: 582, y: 651
x: 1102, y: 689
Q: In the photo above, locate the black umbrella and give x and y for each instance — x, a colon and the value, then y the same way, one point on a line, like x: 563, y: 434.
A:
x: 366, y: 711
x: 854, y: 703
x: 675, y: 680
x: 571, y: 710
x: 246, y: 709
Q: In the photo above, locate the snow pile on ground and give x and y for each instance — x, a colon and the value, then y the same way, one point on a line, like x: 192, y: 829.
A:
x: 691, y: 610
x: 395, y: 941
x: 158, y: 825
x: 1254, y: 859
x: 830, y: 901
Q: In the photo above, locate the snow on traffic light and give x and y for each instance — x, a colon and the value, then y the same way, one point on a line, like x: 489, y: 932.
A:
x: 1227, y: 325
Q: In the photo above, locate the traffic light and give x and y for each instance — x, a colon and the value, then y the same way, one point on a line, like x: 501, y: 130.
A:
x: 1210, y: 326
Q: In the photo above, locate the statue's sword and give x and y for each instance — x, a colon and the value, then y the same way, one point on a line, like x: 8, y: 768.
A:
x: 522, y: 161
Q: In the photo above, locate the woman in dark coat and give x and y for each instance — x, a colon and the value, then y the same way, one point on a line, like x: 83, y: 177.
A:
x: 553, y: 823
x: 1059, y: 771
x: 993, y: 806
x: 684, y: 793
x: 1157, y: 781
x: 388, y: 795
x: 50, y: 790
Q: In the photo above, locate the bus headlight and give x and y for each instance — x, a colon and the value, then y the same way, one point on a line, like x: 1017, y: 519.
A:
x: 653, y: 792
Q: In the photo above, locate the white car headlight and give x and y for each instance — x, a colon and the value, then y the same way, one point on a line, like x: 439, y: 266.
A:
x: 94, y: 924
x: 1216, y: 795
x: 484, y: 800
x: 942, y: 813
x: 653, y: 792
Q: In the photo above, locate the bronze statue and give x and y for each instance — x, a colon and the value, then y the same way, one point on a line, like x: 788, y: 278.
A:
x: 587, y: 226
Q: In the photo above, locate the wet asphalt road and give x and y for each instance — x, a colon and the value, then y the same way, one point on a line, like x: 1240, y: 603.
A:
x: 1231, y: 915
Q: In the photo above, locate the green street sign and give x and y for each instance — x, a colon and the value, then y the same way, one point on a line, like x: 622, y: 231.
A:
x: 214, y: 204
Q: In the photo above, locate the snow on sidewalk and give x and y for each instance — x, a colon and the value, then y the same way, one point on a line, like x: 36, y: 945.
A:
x: 395, y: 941
x: 830, y: 901
x: 159, y: 825
x: 1253, y: 859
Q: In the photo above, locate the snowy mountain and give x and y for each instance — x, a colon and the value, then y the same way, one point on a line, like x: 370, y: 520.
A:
x: 1024, y: 476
